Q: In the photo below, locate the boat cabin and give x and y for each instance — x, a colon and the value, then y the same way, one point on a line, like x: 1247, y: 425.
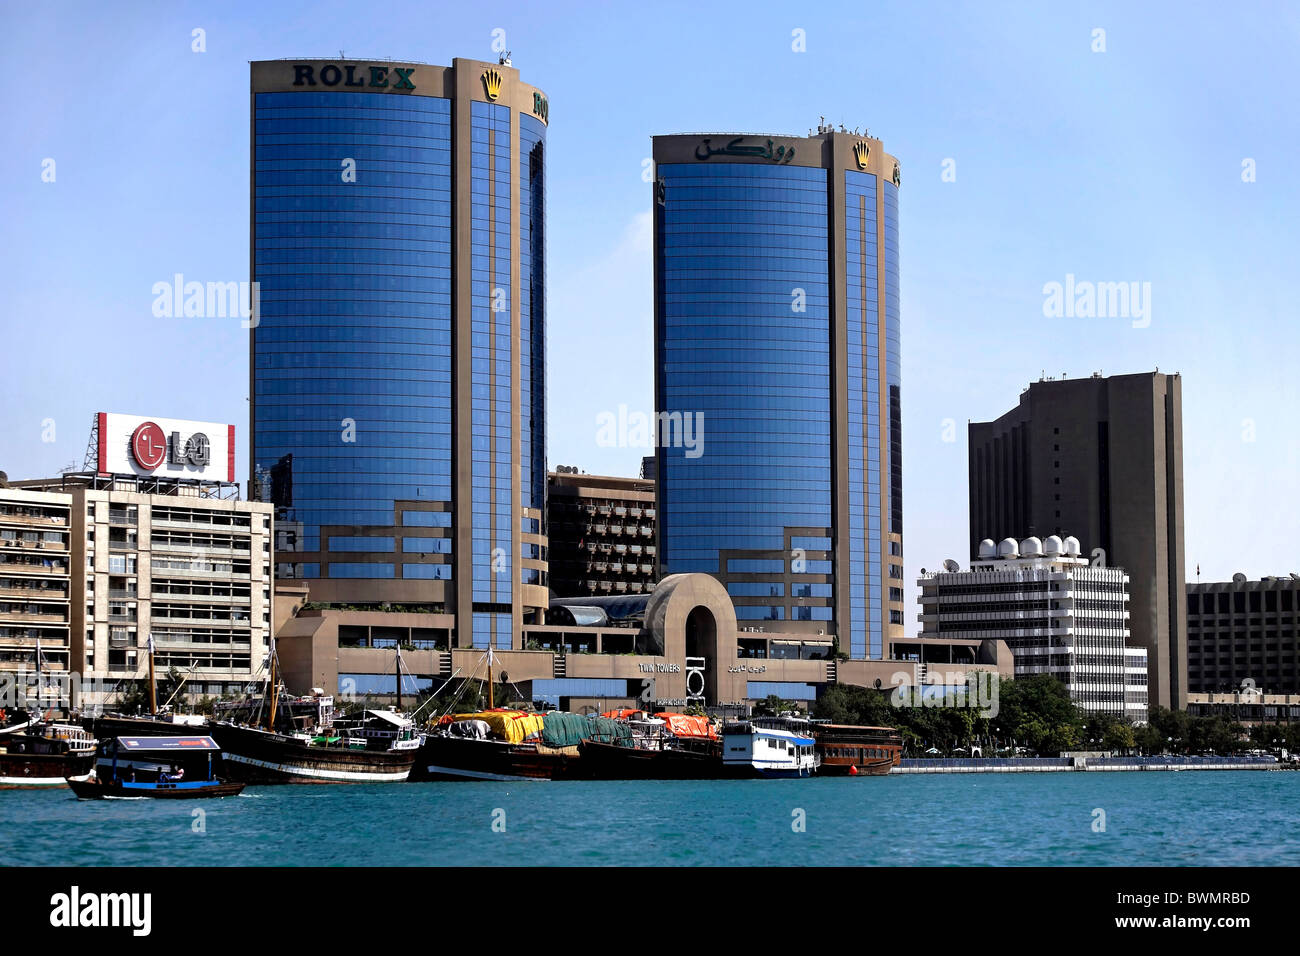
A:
x: 158, y: 759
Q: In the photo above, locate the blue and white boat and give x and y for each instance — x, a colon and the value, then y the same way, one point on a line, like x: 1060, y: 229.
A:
x: 769, y: 747
x: 168, y: 768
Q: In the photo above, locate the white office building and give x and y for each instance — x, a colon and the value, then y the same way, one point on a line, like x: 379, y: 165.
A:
x: 1058, y: 613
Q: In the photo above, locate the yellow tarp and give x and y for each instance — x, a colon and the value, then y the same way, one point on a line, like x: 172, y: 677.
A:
x: 512, y: 726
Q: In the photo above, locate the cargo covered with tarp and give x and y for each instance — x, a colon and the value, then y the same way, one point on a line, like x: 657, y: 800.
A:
x: 684, y: 725
x: 568, y: 730
x: 512, y: 726
x: 608, y: 731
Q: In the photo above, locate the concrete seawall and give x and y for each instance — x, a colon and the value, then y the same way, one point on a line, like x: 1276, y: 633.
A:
x: 1072, y: 764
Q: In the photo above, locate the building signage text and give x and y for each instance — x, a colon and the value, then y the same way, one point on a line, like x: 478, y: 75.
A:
x: 380, y: 77
x: 736, y: 147
x: 660, y: 668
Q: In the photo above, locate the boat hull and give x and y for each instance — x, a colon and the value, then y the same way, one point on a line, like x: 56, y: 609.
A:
x: 98, y: 790
x: 742, y: 771
x: 39, y: 771
x: 249, y: 755
x: 603, y: 761
x: 459, y: 758
x: 851, y: 751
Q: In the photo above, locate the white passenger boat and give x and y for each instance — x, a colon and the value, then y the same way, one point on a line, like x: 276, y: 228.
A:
x: 769, y: 747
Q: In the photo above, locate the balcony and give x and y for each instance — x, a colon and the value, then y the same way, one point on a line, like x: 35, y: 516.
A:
x: 14, y: 567
x: 190, y: 547
x: 165, y: 523
x: 35, y: 617
x: 42, y: 521
x: 35, y: 594
x: 34, y: 545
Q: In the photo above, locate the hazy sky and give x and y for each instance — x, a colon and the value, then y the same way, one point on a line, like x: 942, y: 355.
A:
x: 1127, y: 165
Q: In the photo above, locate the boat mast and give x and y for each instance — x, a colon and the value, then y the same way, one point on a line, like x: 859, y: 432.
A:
x: 153, y: 682
x: 399, y: 678
x: 38, y: 676
x: 491, y: 704
x: 272, y: 690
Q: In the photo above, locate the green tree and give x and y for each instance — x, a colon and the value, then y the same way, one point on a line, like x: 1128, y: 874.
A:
x: 1118, y: 737
x: 134, y: 699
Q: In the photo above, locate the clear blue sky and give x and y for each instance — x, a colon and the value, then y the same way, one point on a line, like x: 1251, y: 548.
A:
x: 1117, y: 166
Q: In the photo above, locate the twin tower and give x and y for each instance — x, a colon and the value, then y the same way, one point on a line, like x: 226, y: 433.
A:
x: 398, y: 365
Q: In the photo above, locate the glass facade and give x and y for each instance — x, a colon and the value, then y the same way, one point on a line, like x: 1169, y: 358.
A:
x: 532, y: 330
x: 780, y: 328
x: 393, y: 340
x: 862, y: 315
x: 744, y: 325
x: 352, y: 356
x: 892, y: 372
x: 491, y: 400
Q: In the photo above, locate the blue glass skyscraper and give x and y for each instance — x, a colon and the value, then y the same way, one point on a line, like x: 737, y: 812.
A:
x: 398, y: 366
x: 777, y: 334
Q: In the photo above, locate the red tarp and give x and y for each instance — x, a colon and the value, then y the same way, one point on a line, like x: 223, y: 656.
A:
x: 684, y: 726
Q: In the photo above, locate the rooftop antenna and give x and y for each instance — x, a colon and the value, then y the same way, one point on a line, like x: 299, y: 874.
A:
x: 341, y: 56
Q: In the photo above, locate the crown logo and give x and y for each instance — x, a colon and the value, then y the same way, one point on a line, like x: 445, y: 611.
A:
x: 492, y: 84
x: 860, y: 152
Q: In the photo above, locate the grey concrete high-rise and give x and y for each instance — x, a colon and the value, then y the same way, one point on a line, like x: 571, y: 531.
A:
x: 1103, y: 458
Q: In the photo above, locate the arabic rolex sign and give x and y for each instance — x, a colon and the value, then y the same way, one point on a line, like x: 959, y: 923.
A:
x: 748, y: 147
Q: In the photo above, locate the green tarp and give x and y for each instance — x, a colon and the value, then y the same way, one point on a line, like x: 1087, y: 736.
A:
x: 567, y: 730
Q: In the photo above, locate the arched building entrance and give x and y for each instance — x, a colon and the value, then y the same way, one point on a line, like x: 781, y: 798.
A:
x: 691, y: 617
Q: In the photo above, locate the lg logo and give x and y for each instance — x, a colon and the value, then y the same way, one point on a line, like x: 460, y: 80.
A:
x: 149, y: 446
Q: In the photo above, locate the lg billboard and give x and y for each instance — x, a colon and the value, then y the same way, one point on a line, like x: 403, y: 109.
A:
x: 165, y: 447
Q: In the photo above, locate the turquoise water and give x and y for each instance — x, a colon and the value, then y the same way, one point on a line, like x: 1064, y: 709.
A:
x: 1192, y: 818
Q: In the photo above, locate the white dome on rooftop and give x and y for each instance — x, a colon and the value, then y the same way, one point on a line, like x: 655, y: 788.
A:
x: 988, y: 549
x: 1008, y: 548
x: 1072, y: 546
x: 1053, y: 544
x: 1031, y: 545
